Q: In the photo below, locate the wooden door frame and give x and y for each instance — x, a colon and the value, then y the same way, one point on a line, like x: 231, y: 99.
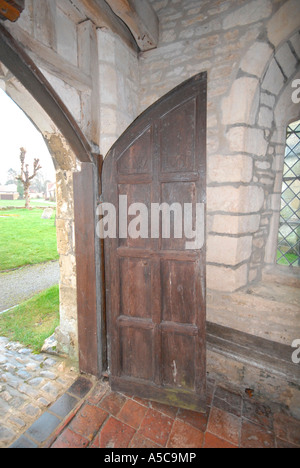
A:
x: 86, y: 196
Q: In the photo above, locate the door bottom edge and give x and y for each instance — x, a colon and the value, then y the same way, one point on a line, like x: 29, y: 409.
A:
x: 168, y: 396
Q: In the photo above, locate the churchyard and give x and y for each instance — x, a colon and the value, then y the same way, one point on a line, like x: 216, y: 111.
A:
x: 28, y: 239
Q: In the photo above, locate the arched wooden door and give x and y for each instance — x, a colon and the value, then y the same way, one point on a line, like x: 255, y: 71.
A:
x: 155, y: 286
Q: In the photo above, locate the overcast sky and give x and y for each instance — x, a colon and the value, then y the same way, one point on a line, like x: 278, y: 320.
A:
x: 16, y: 131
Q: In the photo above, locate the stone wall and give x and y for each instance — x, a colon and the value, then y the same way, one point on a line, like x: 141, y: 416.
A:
x: 250, y: 49
x: 119, y: 87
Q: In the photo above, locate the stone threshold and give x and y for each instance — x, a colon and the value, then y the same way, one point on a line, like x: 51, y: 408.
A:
x: 270, y: 356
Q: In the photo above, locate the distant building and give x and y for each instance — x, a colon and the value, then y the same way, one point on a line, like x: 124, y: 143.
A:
x: 51, y: 191
x: 34, y: 194
x: 9, y: 192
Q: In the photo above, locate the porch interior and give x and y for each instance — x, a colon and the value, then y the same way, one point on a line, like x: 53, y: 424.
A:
x: 90, y: 415
x: 253, y: 388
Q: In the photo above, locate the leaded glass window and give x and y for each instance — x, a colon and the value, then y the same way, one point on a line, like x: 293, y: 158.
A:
x: 289, y: 229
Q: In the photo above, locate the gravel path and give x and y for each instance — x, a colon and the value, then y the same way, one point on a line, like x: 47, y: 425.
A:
x: 19, y: 285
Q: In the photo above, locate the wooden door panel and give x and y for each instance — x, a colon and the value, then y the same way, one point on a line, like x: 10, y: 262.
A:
x: 135, y: 281
x: 155, y: 286
x: 178, y: 351
x: 177, y: 139
x: 182, y: 192
x: 137, y: 341
x: 137, y: 159
x: 178, y: 291
x: 141, y: 193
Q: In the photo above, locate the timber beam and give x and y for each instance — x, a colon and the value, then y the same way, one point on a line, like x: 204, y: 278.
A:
x: 99, y: 12
x: 11, y: 9
x: 140, y: 18
x: 134, y: 21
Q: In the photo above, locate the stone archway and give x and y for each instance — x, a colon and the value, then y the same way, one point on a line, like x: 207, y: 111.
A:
x: 65, y: 164
x: 255, y: 114
x: 28, y: 88
x: 276, y: 109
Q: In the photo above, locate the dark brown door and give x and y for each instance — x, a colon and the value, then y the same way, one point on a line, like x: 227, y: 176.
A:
x: 155, y: 286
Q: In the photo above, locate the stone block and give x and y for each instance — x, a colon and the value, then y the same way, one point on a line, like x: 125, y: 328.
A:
x: 243, y: 200
x: 108, y: 85
x: 224, y: 169
x: 64, y: 190
x: 226, y: 224
x: 255, y: 60
x: 248, y: 14
x: 269, y: 310
x: 263, y: 165
x: 284, y: 22
x: 237, y: 107
x: 108, y: 121
x: 122, y: 57
x: 64, y: 234
x: 122, y: 92
x: 295, y: 41
x: 274, y: 79
x: 228, y: 250
x: 68, y: 270
x: 226, y: 279
x: 247, y: 140
x: 267, y: 100
x: 67, y: 344
x: 66, y: 36
x: 68, y: 313
x: 266, y: 117
x: 286, y: 60
x: 106, y: 46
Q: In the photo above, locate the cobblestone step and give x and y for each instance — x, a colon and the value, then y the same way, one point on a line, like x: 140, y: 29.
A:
x: 29, y: 384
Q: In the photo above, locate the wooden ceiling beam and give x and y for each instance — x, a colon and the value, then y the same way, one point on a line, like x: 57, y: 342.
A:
x: 140, y: 18
x: 99, y: 12
x: 11, y: 9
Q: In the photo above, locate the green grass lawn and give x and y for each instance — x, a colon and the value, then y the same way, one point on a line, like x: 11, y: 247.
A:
x: 21, y: 203
x: 26, y: 239
x: 290, y: 259
x: 32, y: 322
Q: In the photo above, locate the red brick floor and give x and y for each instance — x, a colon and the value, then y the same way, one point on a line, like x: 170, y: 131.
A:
x: 100, y: 418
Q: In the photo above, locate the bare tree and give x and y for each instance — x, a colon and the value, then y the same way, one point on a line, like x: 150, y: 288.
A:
x: 25, y: 178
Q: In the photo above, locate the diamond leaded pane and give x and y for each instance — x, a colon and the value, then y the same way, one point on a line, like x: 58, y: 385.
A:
x: 289, y: 230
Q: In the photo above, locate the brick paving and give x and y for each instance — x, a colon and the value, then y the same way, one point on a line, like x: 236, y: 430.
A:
x: 90, y: 415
